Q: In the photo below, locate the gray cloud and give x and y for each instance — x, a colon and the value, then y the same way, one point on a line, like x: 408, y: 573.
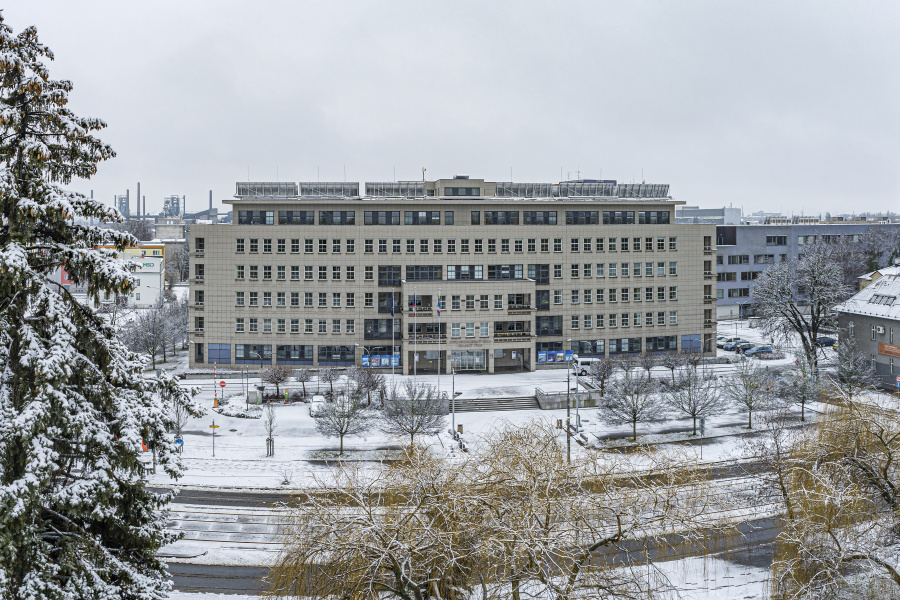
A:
x: 770, y: 105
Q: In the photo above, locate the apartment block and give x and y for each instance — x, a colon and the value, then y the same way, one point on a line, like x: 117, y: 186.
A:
x: 417, y: 275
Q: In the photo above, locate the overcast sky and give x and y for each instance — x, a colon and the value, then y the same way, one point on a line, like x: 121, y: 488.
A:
x: 789, y: 106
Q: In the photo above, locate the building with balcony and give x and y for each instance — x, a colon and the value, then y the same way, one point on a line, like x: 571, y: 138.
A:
x: 484, y: 275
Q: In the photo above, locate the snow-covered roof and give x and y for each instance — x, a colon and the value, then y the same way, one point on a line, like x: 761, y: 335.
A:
x: 887, y: 271
x: 879, y: 299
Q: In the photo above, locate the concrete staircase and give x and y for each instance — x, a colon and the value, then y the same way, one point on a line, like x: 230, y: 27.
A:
x: 492, y: 404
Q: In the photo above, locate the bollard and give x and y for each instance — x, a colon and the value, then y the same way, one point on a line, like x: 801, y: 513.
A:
x: 459, y: 428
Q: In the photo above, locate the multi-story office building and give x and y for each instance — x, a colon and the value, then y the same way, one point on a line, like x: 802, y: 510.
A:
x: 488, y: 275
x: 744, y: 251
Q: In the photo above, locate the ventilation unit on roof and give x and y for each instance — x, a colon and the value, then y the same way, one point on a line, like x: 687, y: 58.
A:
x: 460, y: 177
x: 879, y: 329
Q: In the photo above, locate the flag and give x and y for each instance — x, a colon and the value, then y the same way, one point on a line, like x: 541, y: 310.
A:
x: 392, y: 305
x: 439, y: 308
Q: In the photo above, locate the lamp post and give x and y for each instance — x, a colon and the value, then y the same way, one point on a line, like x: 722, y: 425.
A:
x: 258, y: 397
x: 568, y: 422
x: 577, y: 414
x: 453, y: 395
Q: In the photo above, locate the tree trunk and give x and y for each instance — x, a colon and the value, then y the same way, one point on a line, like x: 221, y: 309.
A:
x: 634, y: 430
x: 750, y: 419
x: 304, y: 388
x: 341, y: 453
x: 695, y: 425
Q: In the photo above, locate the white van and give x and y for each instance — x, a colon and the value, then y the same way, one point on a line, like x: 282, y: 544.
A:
x: 582, y: 366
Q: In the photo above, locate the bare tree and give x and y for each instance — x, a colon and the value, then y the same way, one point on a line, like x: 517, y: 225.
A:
x: 147, y: 333
x: 647, y: 361
x: 855, y: 374
x: 142, y: 229
x: 696, y: 394
x: 797, y: 297
x: 632, y: 400
x: 602, y: 371
x: 749, y: 388
x: 269, y: 423
x: 177, y: 264
x: 773, y: 448
x: 345, y: 415
x: 843, y: 534
x: 673, y: 361
x: 513, y: 520
x: 413, y: 409
x: 801, y: 384
x: 329, y: 375
x: 276, y: 375
x: 302, y: 376
x: 627, y: 363
x: 366, y: 381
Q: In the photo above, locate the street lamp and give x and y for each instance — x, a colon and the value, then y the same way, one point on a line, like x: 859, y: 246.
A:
x: 258, y: 392
x: 572, y: 366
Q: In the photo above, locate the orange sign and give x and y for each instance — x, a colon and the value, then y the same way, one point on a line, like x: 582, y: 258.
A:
x: 889, y: 350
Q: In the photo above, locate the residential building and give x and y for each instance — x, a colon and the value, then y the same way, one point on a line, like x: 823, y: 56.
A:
x: 726, y: 215
x: 872, y: 318
x: 745, y: 251
x: 864, y: 281
x: 483, y: 275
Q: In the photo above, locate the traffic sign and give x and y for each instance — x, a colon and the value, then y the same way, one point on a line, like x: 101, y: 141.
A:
x: 221, y: 384
x: 179, y: 442
x: 898, y: 378
x: 213, y: 426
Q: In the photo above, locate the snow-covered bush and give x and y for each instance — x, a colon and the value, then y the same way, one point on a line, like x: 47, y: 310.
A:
x: 236, y: 406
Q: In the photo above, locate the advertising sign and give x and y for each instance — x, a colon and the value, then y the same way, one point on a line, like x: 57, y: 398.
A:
x: 569, y: 354
x: 542, y: 357
x: 560, y: 356
x: 889, y: 350
x: 365, y: 360
x: 385, y: 360
x: 376, y: 360
x: 395, y: 361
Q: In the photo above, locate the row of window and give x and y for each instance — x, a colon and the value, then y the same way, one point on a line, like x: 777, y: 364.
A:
x: 396, y: 245
x: 386, y: 300
x: 433, y: 217
x: 302, y: 354
x: 758, y: 259
x: 382, y: 329
x: 540, y: 273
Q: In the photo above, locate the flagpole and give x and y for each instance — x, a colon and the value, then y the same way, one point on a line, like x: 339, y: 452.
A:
x: 415, y: 333
x: 439, y: 341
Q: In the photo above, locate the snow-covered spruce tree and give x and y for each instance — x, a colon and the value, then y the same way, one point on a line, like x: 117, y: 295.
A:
x: 76, y: 520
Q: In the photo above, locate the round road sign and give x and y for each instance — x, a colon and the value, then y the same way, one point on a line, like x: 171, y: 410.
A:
x: 221, y: 384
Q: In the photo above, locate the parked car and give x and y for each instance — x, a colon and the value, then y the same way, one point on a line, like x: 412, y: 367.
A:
x: 742, y: 347
x: 582, y: 366
x: 823, y: 342
x: 721, y: 341
x: 729, y: 345
x: 758, y: 350
x: 315, y: 404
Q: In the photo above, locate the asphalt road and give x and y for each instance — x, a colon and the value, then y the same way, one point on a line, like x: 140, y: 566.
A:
x: 221, y: 579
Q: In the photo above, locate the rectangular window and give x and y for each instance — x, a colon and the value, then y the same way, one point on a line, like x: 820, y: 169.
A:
x: 351, y: 326
x: 601, y: 270
x: 574, y: 244
x: 351, y: 299
x: 254, y: 325
x: 545, y: 244
x: 281, y: 326
x: 612, y: 269
x: 295, y: 272
x: 437, y: 245
x: 673, y: 243
x: 280, y: 299
x: 588, y: 321
x: 451, y: 246
x: 454, y: 330
x: 295, y: 299
x: 351, y: 273
x: 448, y: 217
x: 624, y: 271
x: 369, y: 273
x: 648, y: 294
x: 335, y: 246
x: 464, y: 246
x: 599, y: 295
x: 575, y: 321
x: 307, y: 325
x: 539, y: 217
x: 307, y: 272
x: 307, y: 299
x: 323, y: 273
x: 673, y: 268
x: 557, y: 296
x: 239, y: 271
x: 475, y: 218
x: 323, y: 326
x: 254, y: 298
x: 335, y: 273
x: 501, y: 217
x: 613, y: 320
x: 587, y: 269
x: 369, y: 299
x: 673, y: 317
x: 239, y: 325
x: 323, y: 300
x: 335, y: 300
x: 574, y: 270
x: 239, y: 298
x: 498, y: 301
x: 323, y: 246
x: 267, y: 298
x: 267, y: 325
x: 479, y: 247
x: 601, y: 321
x: 281, y: 246
x: 295, y: 245
x: 336, y: 326
x: 517, y: 245
x: 254, y: 245
x: 307, y: 246
x: 350, y: 246
x: 281, y: 272
x: 295, y: 325
x: 239, y: 245
x: 557, y: 244
x: 673, y: 293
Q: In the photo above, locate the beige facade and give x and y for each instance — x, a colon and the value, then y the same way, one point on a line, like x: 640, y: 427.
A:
x: 523, y: 270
